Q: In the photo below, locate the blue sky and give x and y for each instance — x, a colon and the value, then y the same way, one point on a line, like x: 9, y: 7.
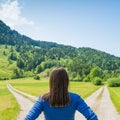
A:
x: 80, y: 23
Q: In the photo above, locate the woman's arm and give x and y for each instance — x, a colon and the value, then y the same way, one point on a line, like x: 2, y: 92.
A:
x: 86, y: 110
x: 36, y: 110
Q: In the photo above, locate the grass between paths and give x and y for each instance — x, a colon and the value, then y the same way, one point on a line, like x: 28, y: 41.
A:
x: 9, y: 108
x: 39, y: 87
x: 115, y: 96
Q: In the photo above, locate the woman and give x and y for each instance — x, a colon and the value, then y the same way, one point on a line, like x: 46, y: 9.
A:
x: 59, y: 104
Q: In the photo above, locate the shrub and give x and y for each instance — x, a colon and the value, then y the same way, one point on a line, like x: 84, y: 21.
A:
x: 77, y: 78
x: 97, y: 81
x: 114, y: 82
x: 17, y: 73
x: 86, y: 79
x: 37, y: 77
x: 6, y: 78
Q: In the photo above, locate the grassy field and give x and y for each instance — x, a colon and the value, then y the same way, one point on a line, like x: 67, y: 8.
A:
x: 39, y: 87
x: 9, y: 108
x: 115, y: 96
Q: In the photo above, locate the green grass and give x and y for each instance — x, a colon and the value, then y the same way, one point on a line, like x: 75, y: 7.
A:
x: 115, y: 96
x: 9, y: 108
x: 31, y: 86
x: 39, y: 87
x: 84, y: 89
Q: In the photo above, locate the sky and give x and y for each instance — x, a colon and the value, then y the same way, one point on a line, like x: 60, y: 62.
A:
x: 79, y: 23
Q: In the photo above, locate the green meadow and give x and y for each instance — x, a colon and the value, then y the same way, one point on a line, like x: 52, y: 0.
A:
x: 9, y: 108
x: 84, y: 89
x: 115, y: 96
x: 39, y: 87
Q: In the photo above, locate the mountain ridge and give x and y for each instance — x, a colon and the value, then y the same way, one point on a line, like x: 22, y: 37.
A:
x: 13, y: 34
x: 28, y: 40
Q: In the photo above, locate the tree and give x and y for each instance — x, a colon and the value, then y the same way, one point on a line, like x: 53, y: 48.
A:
x: 97, y: 81
x: 20, y: 63
x: 13, y: 56
x: 4, y: 53
x: 95, y: 72
x: 17, y: 73
x: 39, y: 69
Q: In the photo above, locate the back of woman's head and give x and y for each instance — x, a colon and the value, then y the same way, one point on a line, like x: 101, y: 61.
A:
x: 58, y: 95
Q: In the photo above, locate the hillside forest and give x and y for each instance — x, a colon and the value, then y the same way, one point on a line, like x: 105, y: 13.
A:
x: 21, y: 56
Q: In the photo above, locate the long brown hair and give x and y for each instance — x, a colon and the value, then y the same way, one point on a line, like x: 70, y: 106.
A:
x: 58, y: 95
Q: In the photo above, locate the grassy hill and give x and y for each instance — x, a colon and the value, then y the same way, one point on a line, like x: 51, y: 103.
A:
x: 6, y: 66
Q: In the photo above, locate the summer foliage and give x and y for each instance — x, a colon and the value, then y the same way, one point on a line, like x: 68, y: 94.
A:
x: 26, y: 57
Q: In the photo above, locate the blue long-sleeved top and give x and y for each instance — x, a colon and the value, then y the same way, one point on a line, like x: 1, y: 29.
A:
x: 61, y: 113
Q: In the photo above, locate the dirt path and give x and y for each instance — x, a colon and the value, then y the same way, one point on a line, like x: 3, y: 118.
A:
x: 104, y: 107
x: 24, y: 102
x: 99, y: 101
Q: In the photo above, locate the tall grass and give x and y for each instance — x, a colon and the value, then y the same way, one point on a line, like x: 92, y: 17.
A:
x: 115, y: 96
x: 9, y: 108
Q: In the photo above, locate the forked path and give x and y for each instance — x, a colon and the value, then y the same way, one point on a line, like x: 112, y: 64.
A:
x: 25, y: 102
x: 99, y: 101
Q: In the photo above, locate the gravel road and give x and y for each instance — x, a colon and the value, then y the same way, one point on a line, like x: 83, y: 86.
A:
x: 99, y: 101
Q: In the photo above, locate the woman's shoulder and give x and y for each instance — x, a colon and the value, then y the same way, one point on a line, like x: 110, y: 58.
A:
x: 74, y: 95
x: 75, y: 98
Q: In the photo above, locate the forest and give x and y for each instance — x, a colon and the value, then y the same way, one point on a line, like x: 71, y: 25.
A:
x: 31, y: 57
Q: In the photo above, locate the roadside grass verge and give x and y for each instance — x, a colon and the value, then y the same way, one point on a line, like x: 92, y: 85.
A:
x: 9, y: 108
x: 39, y: 87
x: 115, y: 96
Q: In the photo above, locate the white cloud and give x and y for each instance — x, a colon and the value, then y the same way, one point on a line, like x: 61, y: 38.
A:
x: 10, y: 13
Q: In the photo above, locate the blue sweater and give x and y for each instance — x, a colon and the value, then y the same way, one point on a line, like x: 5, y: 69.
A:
x: 61, y: 113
